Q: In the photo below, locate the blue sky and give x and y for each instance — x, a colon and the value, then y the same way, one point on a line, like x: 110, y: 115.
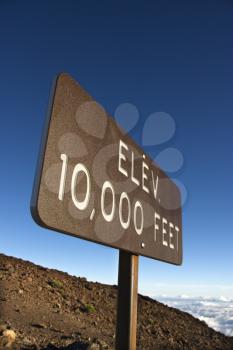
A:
x: 163, y: 56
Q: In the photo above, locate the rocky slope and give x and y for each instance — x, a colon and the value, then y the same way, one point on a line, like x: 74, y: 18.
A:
x: 47, y: 309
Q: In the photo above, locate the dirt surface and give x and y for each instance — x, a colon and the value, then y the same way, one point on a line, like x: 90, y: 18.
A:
x: 48, y: 309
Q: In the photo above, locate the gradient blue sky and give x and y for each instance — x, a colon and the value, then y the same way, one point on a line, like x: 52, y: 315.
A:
x: 171, y: 56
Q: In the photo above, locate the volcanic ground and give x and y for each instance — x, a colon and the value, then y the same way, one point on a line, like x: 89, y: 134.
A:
x: 47, y: 309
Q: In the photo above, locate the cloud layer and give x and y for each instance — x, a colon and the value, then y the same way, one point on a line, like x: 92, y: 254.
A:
x: 216, y: 312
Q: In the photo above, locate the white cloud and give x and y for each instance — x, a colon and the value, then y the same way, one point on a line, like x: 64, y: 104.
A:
x: 216, y: 312
x: 152, y: 288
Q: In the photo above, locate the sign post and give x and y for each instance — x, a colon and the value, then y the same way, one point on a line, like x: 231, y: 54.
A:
x: 94, y: 182
x: 127, y: 301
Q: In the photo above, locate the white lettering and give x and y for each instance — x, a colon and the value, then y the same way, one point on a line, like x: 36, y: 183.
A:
x: 64, y: 159
x: 124, y: 224
x: 80, y: 204
x: 155, y: 187
x: 107, y: 217
x: 164, y: 231
x: 156, y: 227
x: 144, y: 177
x: 136, y: 181
x: 171, y: 235
x: 137, y: 206
x: 122, y: 157
x: 177, y: 236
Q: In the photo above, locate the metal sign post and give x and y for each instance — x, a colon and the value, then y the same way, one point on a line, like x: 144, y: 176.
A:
x: 127, y: 301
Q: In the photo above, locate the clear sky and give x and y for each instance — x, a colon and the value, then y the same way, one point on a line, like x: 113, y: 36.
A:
x: 162, y: 56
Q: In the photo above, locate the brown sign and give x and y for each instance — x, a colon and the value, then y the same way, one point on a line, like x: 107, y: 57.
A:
x: 95, y: 183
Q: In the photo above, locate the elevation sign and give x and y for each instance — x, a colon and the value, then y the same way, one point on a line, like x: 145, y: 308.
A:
x: 94, y: 182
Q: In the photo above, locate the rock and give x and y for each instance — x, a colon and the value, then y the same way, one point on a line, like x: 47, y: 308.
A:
x: 3, y: 327
x: 30, y: 342
x: 93, y: 346
x: 57, y: 306
x: 7, y: 338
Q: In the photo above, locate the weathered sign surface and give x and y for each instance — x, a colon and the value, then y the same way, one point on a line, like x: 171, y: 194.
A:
x: 94, y: 182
